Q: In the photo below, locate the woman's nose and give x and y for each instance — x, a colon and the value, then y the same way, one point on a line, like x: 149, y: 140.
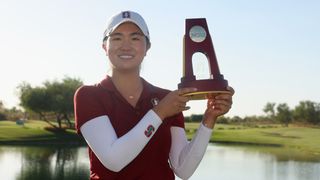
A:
x: 126, y: 45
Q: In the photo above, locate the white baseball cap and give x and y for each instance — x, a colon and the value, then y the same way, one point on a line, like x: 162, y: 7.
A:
x: 126, y: 16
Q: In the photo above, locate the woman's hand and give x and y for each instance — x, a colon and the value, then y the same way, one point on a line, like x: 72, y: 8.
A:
x: 173, y: 103
x: 217, y: 106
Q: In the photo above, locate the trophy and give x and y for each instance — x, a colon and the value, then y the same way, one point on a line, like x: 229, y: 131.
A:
x: 197, y: 39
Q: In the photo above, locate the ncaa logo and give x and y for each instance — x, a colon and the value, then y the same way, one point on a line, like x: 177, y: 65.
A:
x: 197, y: 34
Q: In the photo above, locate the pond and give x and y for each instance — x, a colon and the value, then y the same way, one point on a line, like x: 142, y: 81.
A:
x: 220, y: 162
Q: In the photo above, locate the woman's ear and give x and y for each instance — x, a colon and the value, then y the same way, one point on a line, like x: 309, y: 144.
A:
x: 104, y: 46
x: 148, y: 45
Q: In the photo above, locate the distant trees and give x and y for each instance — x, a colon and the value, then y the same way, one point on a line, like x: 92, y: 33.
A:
x: 307, y: 111
x: 269, y: 109
x: 196, y: 117
x: 2, y: 111
x: 53, y: 98
x: 284, y: 114
x: 10, y: 114
x: 304, y: 112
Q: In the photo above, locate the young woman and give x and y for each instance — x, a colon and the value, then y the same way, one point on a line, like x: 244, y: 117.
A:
x: 133, y: 129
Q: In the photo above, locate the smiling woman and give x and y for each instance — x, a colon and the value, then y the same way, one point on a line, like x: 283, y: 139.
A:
x: 133, y: 128
x: 126, y: 47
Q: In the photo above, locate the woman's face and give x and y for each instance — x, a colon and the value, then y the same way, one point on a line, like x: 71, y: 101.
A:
x: 126, y: 47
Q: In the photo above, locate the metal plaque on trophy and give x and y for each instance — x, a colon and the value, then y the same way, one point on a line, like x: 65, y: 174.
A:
x: 197, y: 40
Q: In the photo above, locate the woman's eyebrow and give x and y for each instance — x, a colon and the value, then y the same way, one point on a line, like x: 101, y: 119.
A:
x: 116, y: 34
x: 131, y: 34
x: 137, y: 33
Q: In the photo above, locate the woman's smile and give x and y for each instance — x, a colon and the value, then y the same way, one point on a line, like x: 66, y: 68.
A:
x: 126, y: 57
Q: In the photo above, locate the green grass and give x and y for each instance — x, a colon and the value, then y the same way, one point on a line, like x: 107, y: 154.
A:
x: 299, y: 143
x: 33, y: 132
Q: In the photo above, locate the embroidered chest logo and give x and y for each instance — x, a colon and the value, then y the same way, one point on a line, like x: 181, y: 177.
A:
x: 154, y: 101
x: 148, y: 132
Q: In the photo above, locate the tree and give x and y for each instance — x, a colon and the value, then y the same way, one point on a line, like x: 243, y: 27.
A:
x: 223, y: 120
x: 269, y: 109
x: 61, y: 98
x: 35, y: 100
x: 196, y: 117
x: 14, y: 114
x: 54, y: 97
x: 283, y: 114
x: 236, y: 119
x: 307, y: 111
x: 10, y: 114
x: 2, y: 111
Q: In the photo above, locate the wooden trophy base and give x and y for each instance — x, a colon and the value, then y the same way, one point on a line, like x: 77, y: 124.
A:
x: 206, y: 88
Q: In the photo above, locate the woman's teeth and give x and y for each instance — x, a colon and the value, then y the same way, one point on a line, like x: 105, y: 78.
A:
x: 126, y: 56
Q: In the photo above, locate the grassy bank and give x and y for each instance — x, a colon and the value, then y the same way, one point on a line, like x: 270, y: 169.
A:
x: 293, y: 142
x: 34, y: 132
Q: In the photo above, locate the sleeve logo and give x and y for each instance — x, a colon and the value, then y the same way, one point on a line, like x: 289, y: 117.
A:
x: 148, y: 132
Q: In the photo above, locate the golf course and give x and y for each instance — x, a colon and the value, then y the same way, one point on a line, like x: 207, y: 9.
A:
x: 293, y: 142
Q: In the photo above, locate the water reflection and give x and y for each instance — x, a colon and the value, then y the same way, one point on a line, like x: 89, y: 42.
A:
x: 220, y: 162
x: 230, y: 163
x: 50, y: 163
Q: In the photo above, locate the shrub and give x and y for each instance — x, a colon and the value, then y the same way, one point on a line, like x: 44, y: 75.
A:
x: 2, y: 117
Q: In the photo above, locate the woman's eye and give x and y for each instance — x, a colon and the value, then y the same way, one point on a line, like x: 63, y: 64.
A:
x: 116, y: 39
x: 136, y: 38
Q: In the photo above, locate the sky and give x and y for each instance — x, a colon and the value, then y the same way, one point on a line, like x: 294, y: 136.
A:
x: 269, y: 51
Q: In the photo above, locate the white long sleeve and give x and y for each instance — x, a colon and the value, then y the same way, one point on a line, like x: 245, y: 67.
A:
x: 185, y: 156
x: 117, y: 152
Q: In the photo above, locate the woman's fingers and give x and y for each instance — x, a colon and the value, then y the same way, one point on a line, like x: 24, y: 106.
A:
x: 183, y: 91
x: 186, y: 108
x: 231, y: 90
x: 173, y: 103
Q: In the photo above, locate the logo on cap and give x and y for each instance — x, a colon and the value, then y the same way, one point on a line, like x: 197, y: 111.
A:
x: 126, y: 14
